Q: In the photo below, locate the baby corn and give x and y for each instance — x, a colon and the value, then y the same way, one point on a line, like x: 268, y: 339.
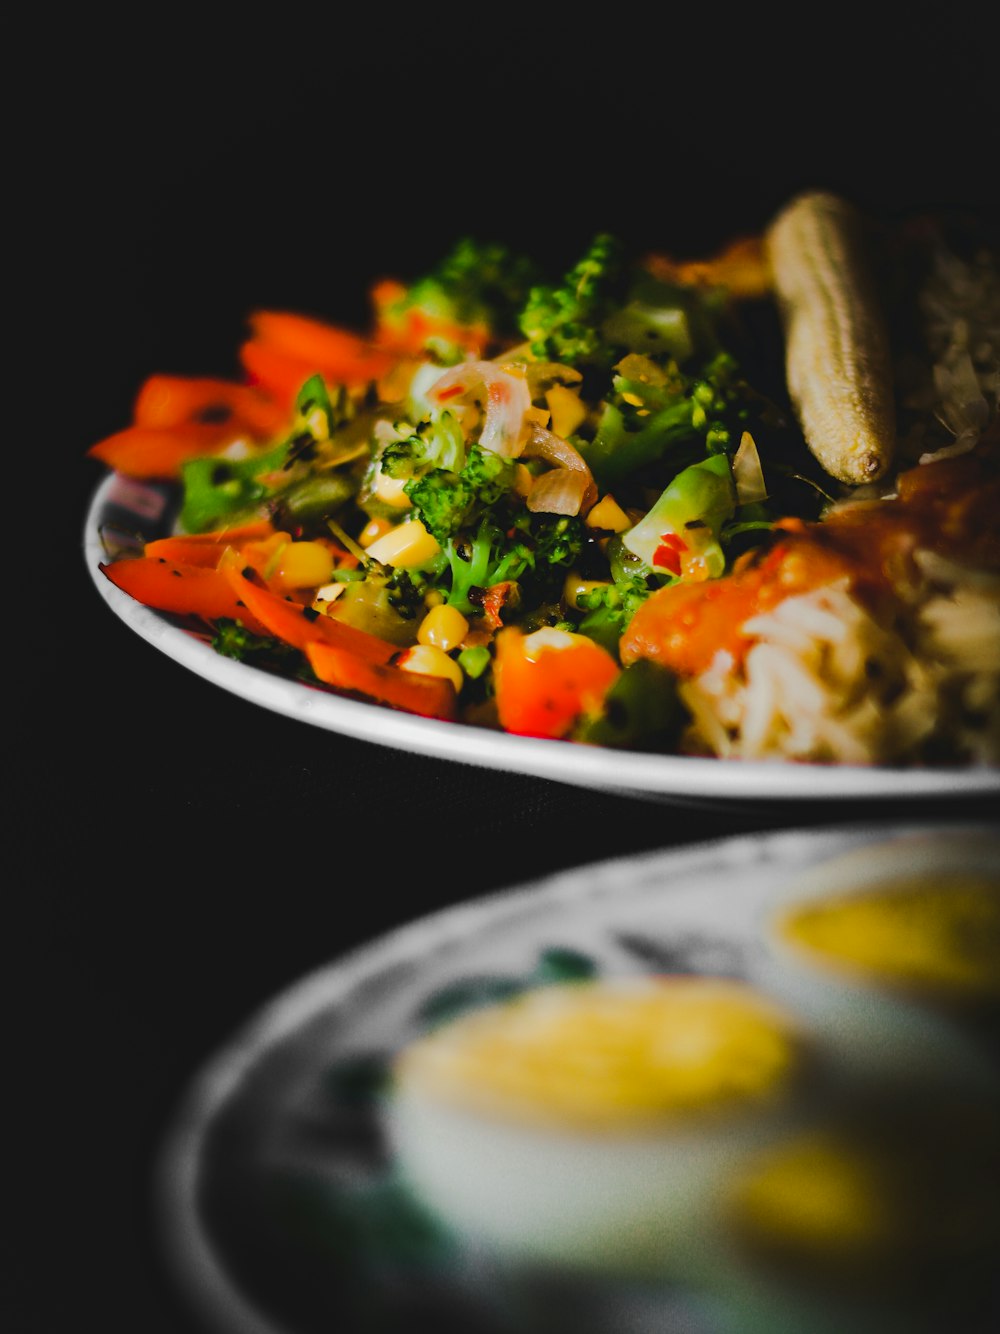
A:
x: 838, y: 362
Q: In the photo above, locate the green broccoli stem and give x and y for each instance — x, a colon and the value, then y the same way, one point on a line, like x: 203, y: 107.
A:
x: 472, y: 570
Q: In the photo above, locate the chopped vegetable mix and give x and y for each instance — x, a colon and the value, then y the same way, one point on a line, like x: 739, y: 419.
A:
x: 539, y: 503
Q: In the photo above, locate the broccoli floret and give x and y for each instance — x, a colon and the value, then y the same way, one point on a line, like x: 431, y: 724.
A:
x: 233, y: 640
x: 382, y: 600
x: 531, y: 549
x: 698, y: 414
x: 608, y: 608
x: 438, y: 442
x: 447, y: 502
x: 539, y: 549
x: 478, y: 284
x: 549, y: 541
x: 489, y: 474
x: 562, y: 322
x: 486, y: 281
x: 472, y: 562
x: 403, y: 591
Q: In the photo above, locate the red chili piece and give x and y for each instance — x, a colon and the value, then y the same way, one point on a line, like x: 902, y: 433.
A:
x: 667, y: 555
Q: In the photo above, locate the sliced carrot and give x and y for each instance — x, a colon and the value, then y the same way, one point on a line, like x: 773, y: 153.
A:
x: 186, y: 590
x: 543, y: 692
x: 206, y: 548
x: 148, y: 452
x: 284, y: 349
x: 292, y: 623
x: 413, y: 692
x: 302, y: 335
x: 276, y: 372
x: 283, y: 375
x: 173, y: 400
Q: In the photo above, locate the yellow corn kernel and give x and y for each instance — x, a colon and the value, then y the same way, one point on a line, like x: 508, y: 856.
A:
x: 265, y: 554
x: 372, y: 530
x: 443, y: 627
x: 390, y: 490
x: 516, y: 368
x: 575, y: 586
x: 567, y: 408
x: 409, y: 544
x: 540, y: 416
x: 608, y: 515
x: 303, y: 565
x: 523, y: 479
x: 429, y: 660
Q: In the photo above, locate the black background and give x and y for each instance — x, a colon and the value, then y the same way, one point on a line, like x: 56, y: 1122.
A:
x: 175, y: 855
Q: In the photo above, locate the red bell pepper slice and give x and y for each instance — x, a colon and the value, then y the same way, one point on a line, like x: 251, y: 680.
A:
x: 186, y: 590
x: 412, y: 692
x: 295, y: 624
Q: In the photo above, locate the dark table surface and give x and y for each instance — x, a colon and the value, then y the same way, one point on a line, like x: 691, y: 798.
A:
x: 176, y: 855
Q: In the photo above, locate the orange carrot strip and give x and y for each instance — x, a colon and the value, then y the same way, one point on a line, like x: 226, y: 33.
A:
x: 147, y: 452
x: 544, y: 696
x: 292, y: 623
x: 282, y: 374
x: 275, y: 372
x: 413, y: 692
x: 310, y: 339
x: 174, y: 400
x: 187, y: 590
x: 206, y: 548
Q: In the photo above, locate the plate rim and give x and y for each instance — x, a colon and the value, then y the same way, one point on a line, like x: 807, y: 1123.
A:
x: 678, y: 778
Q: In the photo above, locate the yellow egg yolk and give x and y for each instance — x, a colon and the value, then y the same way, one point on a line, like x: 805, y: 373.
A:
x: 941, y: 934
x: 606, y: 1055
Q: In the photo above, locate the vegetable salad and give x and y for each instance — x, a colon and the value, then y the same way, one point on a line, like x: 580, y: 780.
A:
x: 533, y: 502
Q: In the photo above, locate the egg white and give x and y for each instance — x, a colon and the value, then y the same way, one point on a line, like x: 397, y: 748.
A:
x: 879, y: 1030
x: 637, y: 1197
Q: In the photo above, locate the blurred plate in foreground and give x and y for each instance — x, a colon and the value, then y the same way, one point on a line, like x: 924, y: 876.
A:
x: 750, y: 1085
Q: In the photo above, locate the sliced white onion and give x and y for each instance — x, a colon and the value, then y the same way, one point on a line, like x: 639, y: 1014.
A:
x: 568, y: 482
x: 505, y: 399
x: 558, y: 491
x: 748, y: 475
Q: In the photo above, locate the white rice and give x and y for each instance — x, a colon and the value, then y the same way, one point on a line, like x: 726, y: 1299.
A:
x: 824, y: 681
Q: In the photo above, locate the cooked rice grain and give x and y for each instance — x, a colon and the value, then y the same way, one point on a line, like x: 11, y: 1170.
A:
x: 824, y: 681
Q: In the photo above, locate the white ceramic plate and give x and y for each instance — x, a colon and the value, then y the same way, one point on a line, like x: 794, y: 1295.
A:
x: 131, y: 508
x: 278, y: 1203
